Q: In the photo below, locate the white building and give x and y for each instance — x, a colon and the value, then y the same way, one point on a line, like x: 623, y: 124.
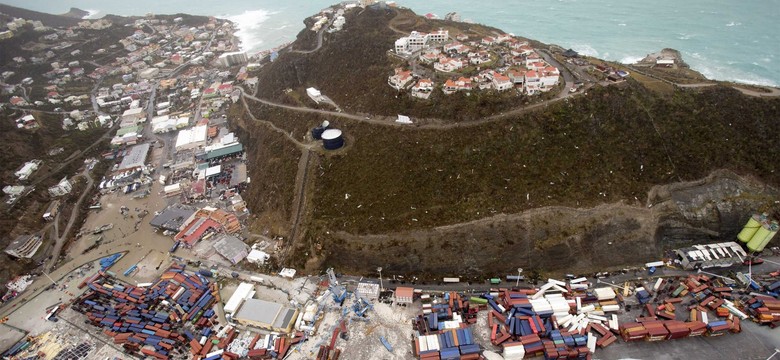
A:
x: 243, y: 292
x: 192, y: 138
x: 368, y: 290
x: 417, y: 41
x: 448, y: 65
x: 13, y: 191
x: 233, y: 59
x: 314, y: 94
x: 62, y: 188
x: 27, y: 169
x: 133, y: 116
x: 257, y: 257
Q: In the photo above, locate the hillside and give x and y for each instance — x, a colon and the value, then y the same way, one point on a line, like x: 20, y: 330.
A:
x: 46, y: 19
x: 609, y: 178
x: 353, y: 65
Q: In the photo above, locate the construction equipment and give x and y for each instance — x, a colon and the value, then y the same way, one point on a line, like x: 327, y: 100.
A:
x: 339, y: 292
x: 361, y: 305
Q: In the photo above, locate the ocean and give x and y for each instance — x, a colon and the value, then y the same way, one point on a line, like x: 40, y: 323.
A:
x: 723, y: 39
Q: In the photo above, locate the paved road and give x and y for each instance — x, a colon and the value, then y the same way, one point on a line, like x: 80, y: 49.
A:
x: 319, y: 39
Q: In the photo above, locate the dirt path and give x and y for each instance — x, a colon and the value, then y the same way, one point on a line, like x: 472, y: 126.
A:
x: 299, y: 203
x: 772, y: 91
x: 268, y: 123
x: 60, y: 239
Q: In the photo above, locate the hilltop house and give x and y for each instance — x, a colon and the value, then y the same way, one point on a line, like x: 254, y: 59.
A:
x: 62, y: 188
x: 501, y: 82
x: 401, y: 79
x: 417, y: 41
x: 451, y: 86
x: 422, y: 89
x: 448, y: 64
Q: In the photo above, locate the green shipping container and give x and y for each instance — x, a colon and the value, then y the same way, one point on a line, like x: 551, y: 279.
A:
x: 477, y: 300
x: 749, y: 230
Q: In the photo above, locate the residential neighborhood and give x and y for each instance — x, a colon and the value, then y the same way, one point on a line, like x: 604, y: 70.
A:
x: 467, y: 63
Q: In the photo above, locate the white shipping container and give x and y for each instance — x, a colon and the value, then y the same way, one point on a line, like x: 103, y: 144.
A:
x: 423, y: 343
x: 556, y: 282
x: 658, y: 284
x: 578, y: 280
x: 591, y: 343
x: 610, y: 308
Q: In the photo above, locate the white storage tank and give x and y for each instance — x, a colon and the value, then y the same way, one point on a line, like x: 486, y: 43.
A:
x: 332, y: 139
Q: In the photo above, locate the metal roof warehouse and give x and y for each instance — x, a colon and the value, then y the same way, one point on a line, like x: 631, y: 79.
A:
x: 136, y: 157
x: 265, y: 315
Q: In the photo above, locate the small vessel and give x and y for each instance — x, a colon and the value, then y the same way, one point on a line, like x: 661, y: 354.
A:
x: 386, y: 344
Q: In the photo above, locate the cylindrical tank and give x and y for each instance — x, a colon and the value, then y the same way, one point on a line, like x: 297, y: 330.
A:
x: 750, y: 229
x: 316, y: 133
x: 332, y: 139
x: 762, y: 237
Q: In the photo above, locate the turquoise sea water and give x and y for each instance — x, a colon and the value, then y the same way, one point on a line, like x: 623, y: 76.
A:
x: 723, y: 39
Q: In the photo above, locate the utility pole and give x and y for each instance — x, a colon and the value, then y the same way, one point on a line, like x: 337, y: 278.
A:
x: 381, y: 286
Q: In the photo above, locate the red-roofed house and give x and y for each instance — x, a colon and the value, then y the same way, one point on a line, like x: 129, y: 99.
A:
x: 516, y: 76
x: 402, y: 79
x: 225, y: 89
x: 423, y: 89
x: 451, y: 86
x: 532, y: 83
x: 501, y: 82
x: 176, y: 59
x: 487, y: 41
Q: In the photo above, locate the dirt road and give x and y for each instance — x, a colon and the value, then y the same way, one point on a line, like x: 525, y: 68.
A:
x: 61, y: 238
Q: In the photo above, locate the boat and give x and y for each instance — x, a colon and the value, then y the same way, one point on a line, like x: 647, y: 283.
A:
x: 386, y: 344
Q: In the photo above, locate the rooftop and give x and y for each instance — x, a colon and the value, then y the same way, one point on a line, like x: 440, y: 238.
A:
x: 173, y: 217
x: 136, y: 157
x: 265, y: 313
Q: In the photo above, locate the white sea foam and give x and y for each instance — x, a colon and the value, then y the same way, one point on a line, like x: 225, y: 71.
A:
x: 622, y: 24
x: 734, y: 24
x: 585, y: 49
x: 91, y: 14
x: 250, y: 30
x: 631, y: 59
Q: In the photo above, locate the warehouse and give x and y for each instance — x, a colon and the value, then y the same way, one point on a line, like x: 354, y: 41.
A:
x: 192, y: 138
x: 173, y: 217
x: 266, y: 315
x: 231, y: 248
x: 135, y: 158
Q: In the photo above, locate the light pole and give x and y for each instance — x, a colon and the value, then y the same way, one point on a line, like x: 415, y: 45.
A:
x: 519, y: 271
x: 379, y: 270
x: 50, y: 279
x: 773, y: 354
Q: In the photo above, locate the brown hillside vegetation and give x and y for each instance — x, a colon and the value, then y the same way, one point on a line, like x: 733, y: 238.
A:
x: 353, y: 65
x: 610, y: 146
x: 596, y: 149
x: 273, y: 169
